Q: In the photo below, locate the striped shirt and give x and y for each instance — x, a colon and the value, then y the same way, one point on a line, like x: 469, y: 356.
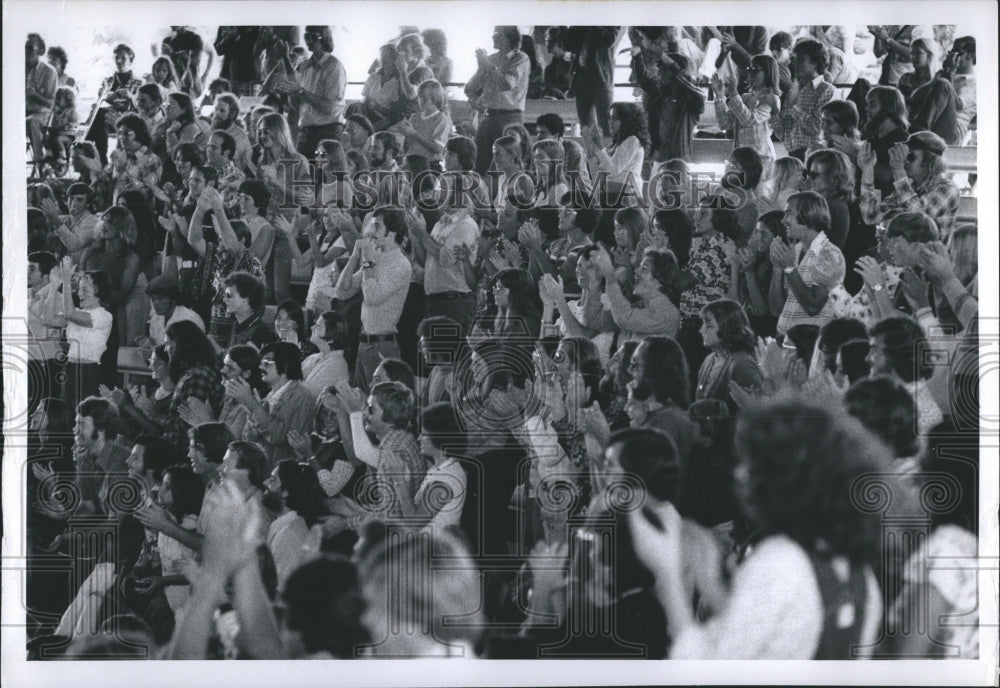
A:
x: 821, y: 264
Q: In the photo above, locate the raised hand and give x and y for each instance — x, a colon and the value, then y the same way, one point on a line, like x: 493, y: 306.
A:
x: 933, y: 258
x: 141, y: 399
x: 897, y: 157
x: 915, y: 289
x: 240, y: 390
x: 301, y: 443
x: 195, y: 411
x: 866, y: 156
x: 741, y: 396
x: 351, y: 399
x: 154, y: 517
x: 870, y: 271
x: 530, y: 234
x: 551, y: 290
x: 782, y: 255
x: 235, y: 529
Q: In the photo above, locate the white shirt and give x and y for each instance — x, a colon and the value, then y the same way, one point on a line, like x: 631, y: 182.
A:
x: 158, y: 324
x: 443, y: 493
x: 87, y: 344
x: 444, y: 273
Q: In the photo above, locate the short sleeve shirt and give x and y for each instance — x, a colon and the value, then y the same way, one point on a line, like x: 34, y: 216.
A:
x: 822, y: 264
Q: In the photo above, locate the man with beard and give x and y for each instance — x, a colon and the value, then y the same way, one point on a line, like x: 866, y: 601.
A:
x: 359, y: 130
x: 385, y: 148
x: 226, y: 117
x: 920, y: 182
x: 293, y: 494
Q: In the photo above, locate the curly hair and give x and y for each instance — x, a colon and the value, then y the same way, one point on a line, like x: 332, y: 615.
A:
x: 735, y: 333
x: 192, y: 348
x: 905, y: 346
x: 664, y: 268
x: 799, y: 469
x: 632, y: 122
x: 122, y: 222
x: 886, y: 408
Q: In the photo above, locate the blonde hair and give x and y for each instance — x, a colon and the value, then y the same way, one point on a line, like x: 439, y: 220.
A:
x: 965, y: 252
x: 786, y: 171
x: 433, y: 89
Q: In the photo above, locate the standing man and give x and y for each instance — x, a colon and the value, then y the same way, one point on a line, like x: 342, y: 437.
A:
x: 184, y: 48
x: 498, y: 89
x: 592, y: 78
x: 318, y: 87
x: 78, y: 230
x: 892, y: 43
x: 455, y: 233
x: 240, y: 52
x: 40, y: 82
x: 381, y: 271
x: 45, y: 348
x: 801, y: 115
x: 226, y: 117
x: 811, y: 268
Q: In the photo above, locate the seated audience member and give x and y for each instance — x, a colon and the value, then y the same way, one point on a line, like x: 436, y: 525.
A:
x: 770, y: 442
x: 885, y: 407
x: 886, y: 124
x: 194, y: 369
x: 659, y: 394
x: 726, y: 333
x: 898, y: 349
x: 920, y: 180
x: 293, y: 494
x: 244, y: 297
x: 288, y: 405
x: 165, y: 310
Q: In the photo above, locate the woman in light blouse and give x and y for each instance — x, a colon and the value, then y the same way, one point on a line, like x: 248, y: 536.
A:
x: 629, y: 142
x: 87, y: 327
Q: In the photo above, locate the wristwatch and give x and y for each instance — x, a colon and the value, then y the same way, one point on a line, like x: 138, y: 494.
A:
x: 367, y: 264
x: 790, y: 269
x: 877, y: 287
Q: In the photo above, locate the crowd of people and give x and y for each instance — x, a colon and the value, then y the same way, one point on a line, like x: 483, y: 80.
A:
x: 429, y: 386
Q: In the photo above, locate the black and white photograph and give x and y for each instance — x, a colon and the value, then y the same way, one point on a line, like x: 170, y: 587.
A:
x: 391, y: 331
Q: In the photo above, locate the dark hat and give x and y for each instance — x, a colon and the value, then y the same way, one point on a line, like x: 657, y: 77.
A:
x: 162, y: 286
x: 927, y: 141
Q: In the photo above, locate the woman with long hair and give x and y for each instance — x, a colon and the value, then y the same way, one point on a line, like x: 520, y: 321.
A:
x: 278, y: 152
x: 518, y: 307
x: 751, y: 273
x: 807, y: 591
x: 164, y: 74
x: 328, y: 366
x: 141, y: 412
x: 887, y: 124
x: 630, y: 223
x: 115, y: 254
x: 725, y: 331
x: 629, y: 142
x: 830, y: 173
x: 520, y: 132
x: 194, y: 368
x: 787, y: 180
x: 750, y: 115
x: 924, y: 57
x: 551, y: 185
x: 840, y: 129
x: 182, y: 123
x: 331, y: 160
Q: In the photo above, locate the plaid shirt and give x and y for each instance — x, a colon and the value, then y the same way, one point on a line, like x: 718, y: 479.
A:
x: 936, y: 197
x: 710, y: 267
x: 202, y: 382
x: 399, y: 459
x: 802, y: 120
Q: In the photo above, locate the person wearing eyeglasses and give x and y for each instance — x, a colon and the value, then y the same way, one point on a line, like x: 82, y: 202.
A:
x: 288, y: 406
x: 920, y: 180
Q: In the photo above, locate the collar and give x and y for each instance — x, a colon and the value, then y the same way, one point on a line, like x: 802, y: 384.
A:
x: 817, y: 243
x: 275, y: 394
x: 816, y: 81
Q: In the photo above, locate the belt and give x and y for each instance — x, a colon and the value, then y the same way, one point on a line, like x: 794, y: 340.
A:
x: 492, y: 111
x: 449, y: 295
x: 372, y: 338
